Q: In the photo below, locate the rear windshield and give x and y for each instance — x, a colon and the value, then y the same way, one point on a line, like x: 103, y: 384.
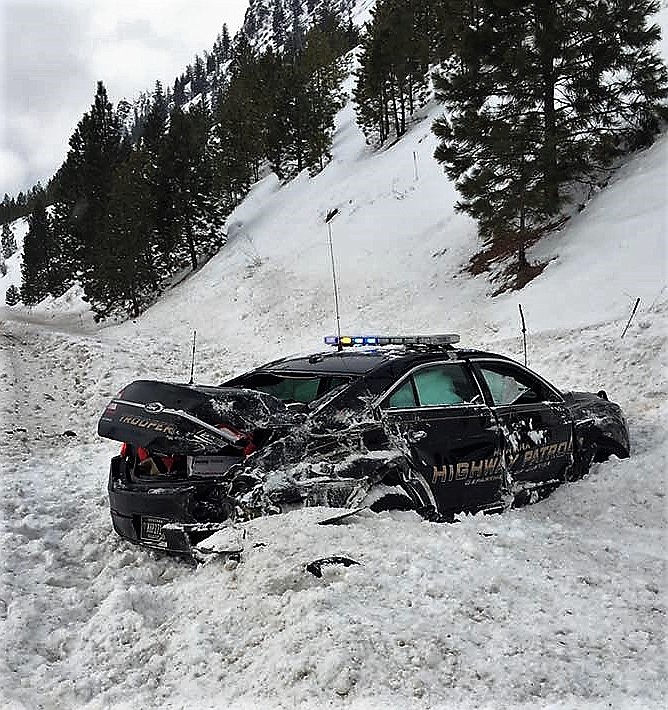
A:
x: 295, y: 388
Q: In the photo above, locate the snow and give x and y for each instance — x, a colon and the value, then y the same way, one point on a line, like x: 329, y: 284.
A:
x: 557, y: 605
x: 13, y: 276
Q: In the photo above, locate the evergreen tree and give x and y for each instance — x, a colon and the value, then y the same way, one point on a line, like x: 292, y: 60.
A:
x: 155, y: 124
x: 325, y: 74
x: 199, y: 83
x: 242, y: 118
x: 278, y: 25
x: 180, y: 97
x: 12, y: 296
x: 541, y: 95
x: 8, y: 241
x: 3, y: 266
x: 128, y: 270
x: 39, y: 267
x: 81, y: 200
x: 223, y: 45
x: 195, y: 212
x: 296, y: 38
x: 396, y: 51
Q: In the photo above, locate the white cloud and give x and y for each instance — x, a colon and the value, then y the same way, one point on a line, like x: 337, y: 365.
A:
x: 13, y: 170
x: 52, y: 53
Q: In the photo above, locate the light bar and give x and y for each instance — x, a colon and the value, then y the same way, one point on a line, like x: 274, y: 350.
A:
x: 350, y: 340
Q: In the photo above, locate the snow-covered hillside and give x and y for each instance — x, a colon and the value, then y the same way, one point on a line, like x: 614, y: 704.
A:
x: 557, y: 605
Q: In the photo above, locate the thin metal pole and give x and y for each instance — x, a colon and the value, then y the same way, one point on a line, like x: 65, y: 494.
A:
x: 635, y: 308
x: 336, y: 287
x: 192, y: 362
x: 524, y: 335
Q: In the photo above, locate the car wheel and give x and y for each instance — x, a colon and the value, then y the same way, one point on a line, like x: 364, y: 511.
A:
x: 384, y: 497
x: 392, y: 501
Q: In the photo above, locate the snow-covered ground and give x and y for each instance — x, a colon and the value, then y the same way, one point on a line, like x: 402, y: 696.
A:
x: 557, y: 605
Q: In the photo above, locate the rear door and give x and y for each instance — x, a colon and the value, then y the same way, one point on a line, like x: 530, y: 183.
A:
x: 536, y: 427
x: 437, y: 415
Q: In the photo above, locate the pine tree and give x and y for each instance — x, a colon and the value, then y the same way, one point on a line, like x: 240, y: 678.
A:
x: 8, y: 241
x: 155, y: 124
x: 180, y: 97
x: 395, y: 57
x: 3, y: 266
x: 39, y: 267
x: 278, y: 25
x: 242, y: 118
x: 12, y: 296
x: 128, y: 270
x: 325, y: 74
x: 223, y: 45
x: 199, y: 82
x: 542, y: 95
x: 295, y: 41
x: 84, y: 183
x: 195, y: 212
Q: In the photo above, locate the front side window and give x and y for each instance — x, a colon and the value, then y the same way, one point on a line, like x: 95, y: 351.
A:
x: 445, y: 384
x: 511, y: 385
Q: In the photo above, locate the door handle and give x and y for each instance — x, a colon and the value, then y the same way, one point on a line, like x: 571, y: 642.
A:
x: 417, y: 435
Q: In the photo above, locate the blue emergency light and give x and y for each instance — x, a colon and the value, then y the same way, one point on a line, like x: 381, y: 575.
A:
x: 361, y: 340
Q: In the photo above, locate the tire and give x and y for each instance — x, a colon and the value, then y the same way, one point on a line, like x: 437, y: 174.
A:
x: 392, y: 501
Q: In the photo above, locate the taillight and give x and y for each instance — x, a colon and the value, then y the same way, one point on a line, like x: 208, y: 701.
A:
x: 236, y: 437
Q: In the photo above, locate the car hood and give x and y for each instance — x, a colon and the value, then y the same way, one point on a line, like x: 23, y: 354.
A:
x: 595, y: 413
x: 187, y: 419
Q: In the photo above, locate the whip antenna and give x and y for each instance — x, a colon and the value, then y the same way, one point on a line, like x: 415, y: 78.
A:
x: 192, y: 362
x: 328, y: 220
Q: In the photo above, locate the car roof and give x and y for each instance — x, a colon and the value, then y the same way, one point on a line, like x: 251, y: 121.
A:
x: 350, y: 362
x: 360, y: 361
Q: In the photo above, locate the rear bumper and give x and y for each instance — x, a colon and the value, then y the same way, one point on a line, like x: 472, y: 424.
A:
x: 138, y: 511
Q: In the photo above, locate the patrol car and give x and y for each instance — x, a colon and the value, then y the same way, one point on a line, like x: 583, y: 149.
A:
x: 408, y: 422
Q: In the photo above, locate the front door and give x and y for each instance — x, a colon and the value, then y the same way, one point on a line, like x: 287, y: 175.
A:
x: 437, y: 416
x: 536, y: 428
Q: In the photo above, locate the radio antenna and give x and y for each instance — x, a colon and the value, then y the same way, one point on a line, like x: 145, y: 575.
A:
x: 192, y: 362
x: 328, y: 221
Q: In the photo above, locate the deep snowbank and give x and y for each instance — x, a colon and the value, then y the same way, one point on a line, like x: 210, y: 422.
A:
x: 557, y: 605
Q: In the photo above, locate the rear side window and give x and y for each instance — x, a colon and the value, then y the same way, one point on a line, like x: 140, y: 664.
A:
x: 445, y: 384
x: 403, y: 397
x: 293, y: 389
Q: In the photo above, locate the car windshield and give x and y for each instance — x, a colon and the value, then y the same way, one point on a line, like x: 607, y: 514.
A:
x: 294, y: 388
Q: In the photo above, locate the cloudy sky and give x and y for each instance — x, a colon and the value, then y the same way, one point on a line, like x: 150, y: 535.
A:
x: 53, y: 52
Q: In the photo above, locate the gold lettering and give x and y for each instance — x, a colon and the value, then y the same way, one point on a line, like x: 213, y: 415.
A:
x: 477, y: 468
x: 462, y: 471
x: 512, y: 460
x: 440, y: 473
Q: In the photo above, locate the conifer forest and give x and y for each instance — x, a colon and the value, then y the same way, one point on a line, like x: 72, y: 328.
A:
x: 541, y: 99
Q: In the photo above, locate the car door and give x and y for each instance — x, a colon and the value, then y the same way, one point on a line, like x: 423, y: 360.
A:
x: 437, y: 415
x: 536, y: 427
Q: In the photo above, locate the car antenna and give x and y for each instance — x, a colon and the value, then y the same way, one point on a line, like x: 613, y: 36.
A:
x: 192, y: 361
x: 328, y: 221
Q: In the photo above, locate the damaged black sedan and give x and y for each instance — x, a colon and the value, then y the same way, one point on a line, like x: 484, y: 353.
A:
x: 410, y: 422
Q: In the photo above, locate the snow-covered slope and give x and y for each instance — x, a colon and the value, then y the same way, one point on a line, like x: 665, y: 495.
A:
x: 557, y: 605
x: 13, y: 275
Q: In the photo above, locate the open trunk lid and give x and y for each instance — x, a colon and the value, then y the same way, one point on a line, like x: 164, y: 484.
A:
x: 191, y: 420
